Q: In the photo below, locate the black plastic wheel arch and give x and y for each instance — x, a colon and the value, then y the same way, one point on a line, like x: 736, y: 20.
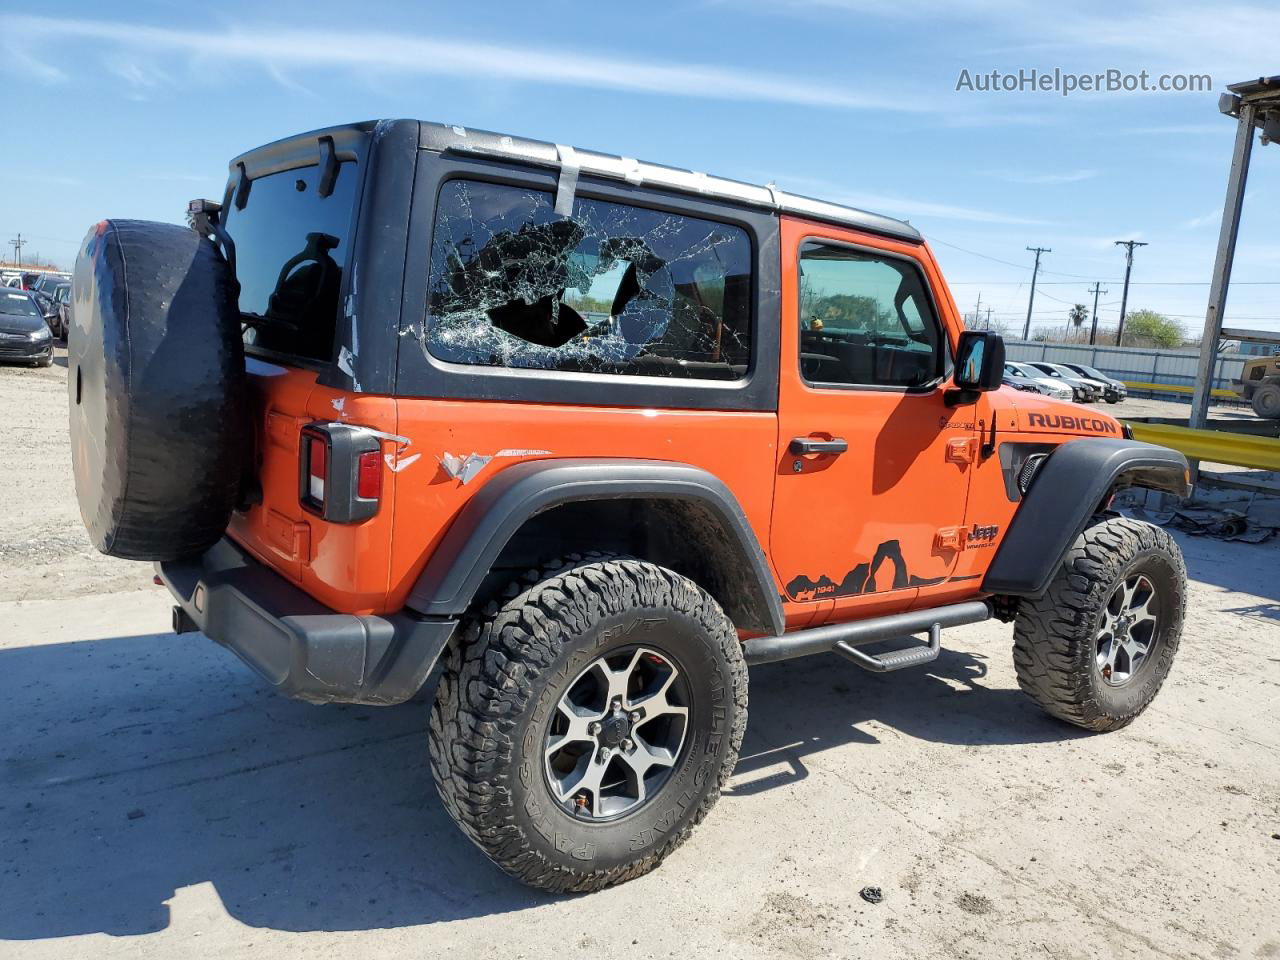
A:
x: 458, y: 566
x: 1071, y: 486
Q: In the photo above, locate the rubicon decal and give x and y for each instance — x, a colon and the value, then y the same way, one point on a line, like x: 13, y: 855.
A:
x: 1054, y: 421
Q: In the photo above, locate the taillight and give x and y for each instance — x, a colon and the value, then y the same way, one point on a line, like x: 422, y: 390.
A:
x: 316, y: 448
x: 369, y: 475
x: 341, y: 475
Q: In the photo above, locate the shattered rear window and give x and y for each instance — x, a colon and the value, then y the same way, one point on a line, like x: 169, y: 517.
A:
x: 612, y: 289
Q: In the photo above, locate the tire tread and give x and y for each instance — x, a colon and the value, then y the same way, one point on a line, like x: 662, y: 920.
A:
x: 489, y: 677
x: 1052, y: 637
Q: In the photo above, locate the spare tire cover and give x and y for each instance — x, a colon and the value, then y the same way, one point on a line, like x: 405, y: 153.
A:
x: 155, y: 377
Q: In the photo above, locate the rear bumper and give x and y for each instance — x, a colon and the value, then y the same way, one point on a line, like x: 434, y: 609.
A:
x: 298, y: 645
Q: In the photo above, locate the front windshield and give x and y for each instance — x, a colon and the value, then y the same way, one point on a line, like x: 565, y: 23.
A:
x: 18, y: 305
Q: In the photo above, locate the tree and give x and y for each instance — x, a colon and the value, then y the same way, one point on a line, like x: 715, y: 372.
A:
x: 1078, y: 315
x: 1146, y: 328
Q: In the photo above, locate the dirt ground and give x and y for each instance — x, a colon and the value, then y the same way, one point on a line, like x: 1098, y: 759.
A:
x: 158, y: 802
x: 44, y: 551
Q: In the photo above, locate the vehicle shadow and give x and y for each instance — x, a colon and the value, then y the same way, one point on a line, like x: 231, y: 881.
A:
x: 137, y: 766
x: 809, y: 706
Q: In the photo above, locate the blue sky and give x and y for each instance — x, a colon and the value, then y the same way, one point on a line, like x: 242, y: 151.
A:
x: 132, y: 109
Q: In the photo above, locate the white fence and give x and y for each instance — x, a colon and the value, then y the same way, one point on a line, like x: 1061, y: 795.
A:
x: 1140, y: 364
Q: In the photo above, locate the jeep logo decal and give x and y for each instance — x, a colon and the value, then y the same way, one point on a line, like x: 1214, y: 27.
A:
x: 982, y: 535
x: 1054, y: 421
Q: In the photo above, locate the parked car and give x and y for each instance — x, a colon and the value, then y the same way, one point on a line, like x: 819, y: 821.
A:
x: 1059, y: 389
x: 46, y: 283
x: 24, y: 336
x: 46, y: 301
x: 60, y: 318
x: 1019, y: 383
x: 1092, y: 389
x: 1114, y: 391
x: 550, y: 463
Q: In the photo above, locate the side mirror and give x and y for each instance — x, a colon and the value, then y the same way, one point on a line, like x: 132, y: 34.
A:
x: 979, y: 366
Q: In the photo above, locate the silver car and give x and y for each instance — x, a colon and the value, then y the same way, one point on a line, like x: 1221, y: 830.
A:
x: 1114, y: 390
x: 1033, y: 379
x: 1093, y: 390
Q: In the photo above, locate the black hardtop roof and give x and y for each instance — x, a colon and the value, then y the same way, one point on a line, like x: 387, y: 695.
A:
x: 452, y: 139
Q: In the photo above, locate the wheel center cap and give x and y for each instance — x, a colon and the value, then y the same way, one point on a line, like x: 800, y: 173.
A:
x: 614, y: 729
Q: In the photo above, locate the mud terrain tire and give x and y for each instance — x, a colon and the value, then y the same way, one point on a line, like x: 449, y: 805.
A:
x: 498, y: 698
x: 155, y: 382
x: 1059, y: 639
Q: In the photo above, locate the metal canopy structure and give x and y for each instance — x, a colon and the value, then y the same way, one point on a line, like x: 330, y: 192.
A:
x: 1256, y: 107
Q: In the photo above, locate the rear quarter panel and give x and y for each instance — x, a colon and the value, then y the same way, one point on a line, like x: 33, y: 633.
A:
x: 738, y: 447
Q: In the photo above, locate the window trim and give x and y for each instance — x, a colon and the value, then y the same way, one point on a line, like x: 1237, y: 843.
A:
x: 421, y: 374
x: 947, y: 354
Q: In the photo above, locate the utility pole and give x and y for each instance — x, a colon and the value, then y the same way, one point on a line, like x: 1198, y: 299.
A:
x: 988, y: 326
x: 17, y: 248
x: 1093, y: 332
x: 977, y: 311
x: 1026, y: 331
x: 1124, y: 297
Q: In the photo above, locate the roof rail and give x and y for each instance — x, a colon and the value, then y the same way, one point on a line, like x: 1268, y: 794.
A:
x: 463, y: 141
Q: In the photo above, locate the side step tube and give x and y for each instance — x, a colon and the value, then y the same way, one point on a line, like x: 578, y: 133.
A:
x: 895, y: 659
x: 843, y: 637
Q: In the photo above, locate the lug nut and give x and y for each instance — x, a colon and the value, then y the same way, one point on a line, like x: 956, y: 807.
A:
x: 603, y: 755
x: 594, y: 728
x: 628, y: 746
x: 635, y: 716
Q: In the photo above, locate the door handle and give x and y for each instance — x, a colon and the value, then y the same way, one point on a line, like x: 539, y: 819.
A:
x: 803, y: 445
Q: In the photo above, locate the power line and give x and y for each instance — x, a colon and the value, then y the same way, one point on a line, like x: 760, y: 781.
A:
x: 1032, y: 299
x: 1007, y: 263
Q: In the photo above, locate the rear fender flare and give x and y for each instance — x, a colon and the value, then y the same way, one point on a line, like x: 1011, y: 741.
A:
x: 458, y: 566
x: 1069, y: 488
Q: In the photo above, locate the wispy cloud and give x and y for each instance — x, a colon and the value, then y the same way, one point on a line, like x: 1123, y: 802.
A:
x: 1047, y: 179
x: 138, y: 73
x: 179, y: 177
x: 896, y: 206
x: 277, y: 48
x: 54, y: 179
x: 1195, y: 223
x: 17, y: 59
x: 1179, y: 129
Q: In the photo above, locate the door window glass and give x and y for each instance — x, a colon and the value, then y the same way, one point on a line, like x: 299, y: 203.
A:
x: 865, y: 318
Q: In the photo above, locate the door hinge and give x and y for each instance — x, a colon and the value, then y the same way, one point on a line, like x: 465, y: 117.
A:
x: 962, y: 450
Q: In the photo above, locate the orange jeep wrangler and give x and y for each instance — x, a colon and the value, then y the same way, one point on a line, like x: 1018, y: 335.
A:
x: 593, y: 435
